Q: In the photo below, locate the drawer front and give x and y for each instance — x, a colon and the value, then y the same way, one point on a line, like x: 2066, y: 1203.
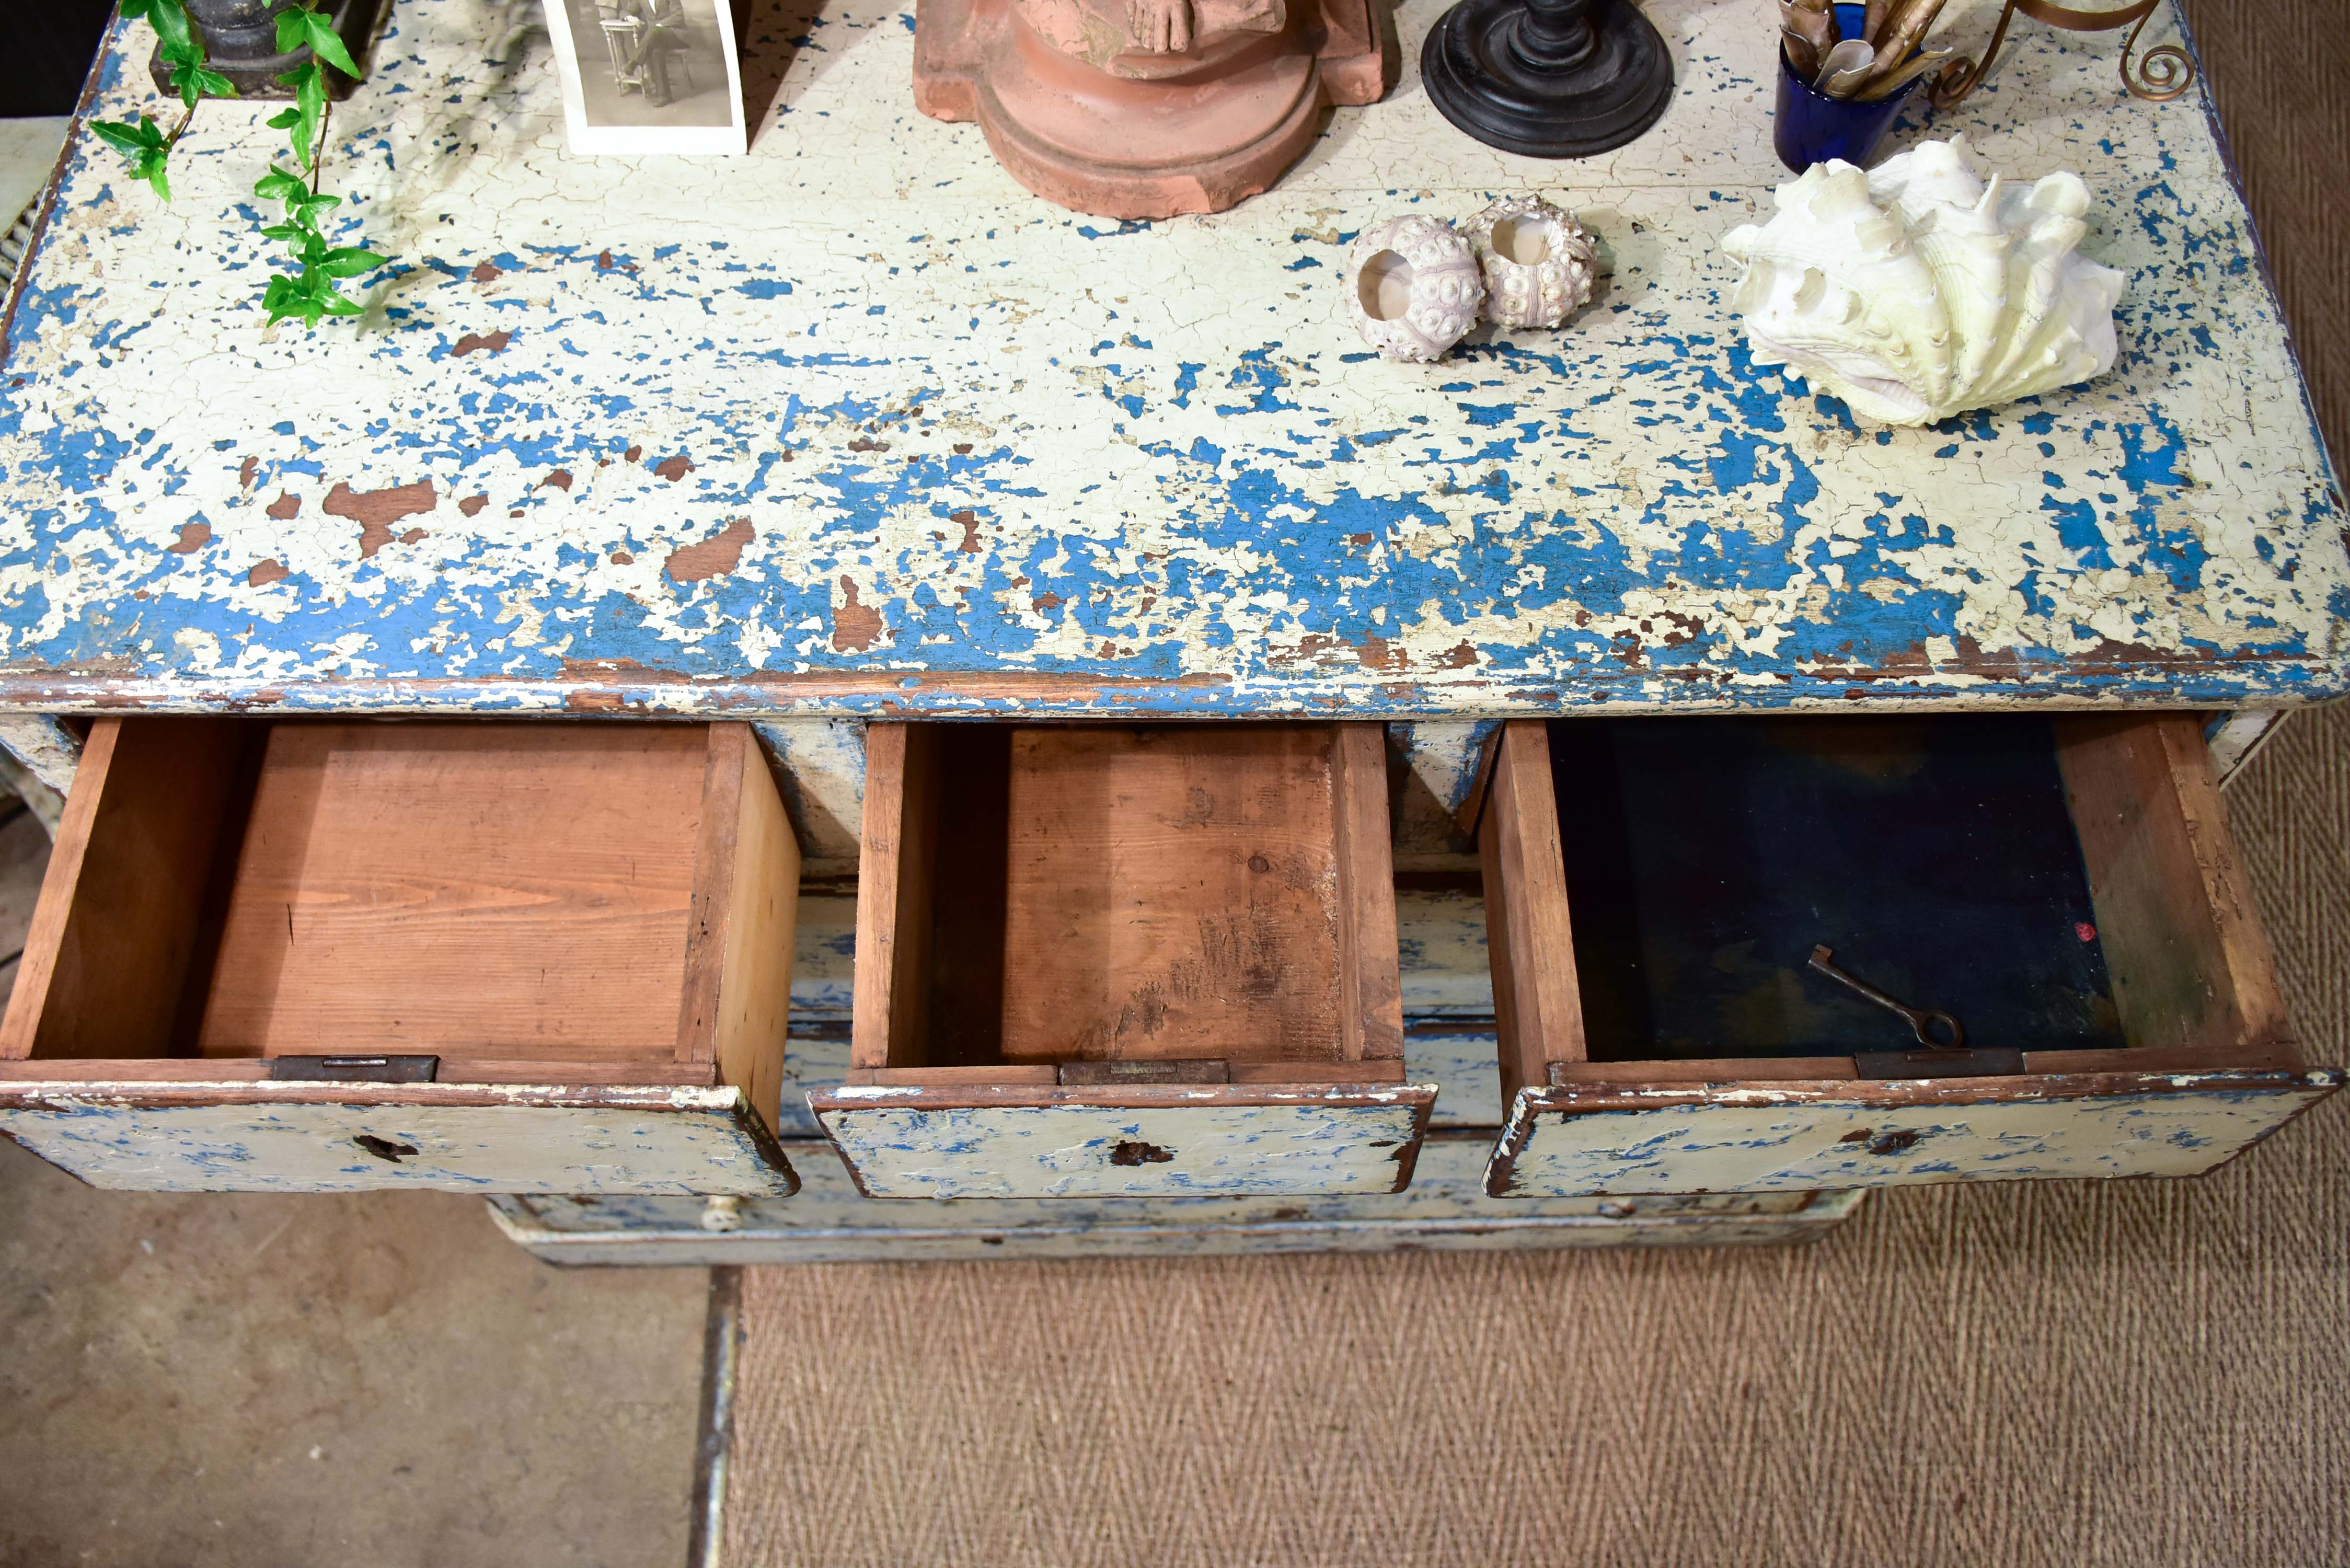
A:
x: 1621, y: 1141
x: 588, y: 926
x: 241, y: 1138
x: 923, y: 1143
x: 2068, y: 885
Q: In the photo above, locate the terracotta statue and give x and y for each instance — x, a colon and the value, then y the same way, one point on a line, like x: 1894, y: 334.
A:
x: 1144, y: 108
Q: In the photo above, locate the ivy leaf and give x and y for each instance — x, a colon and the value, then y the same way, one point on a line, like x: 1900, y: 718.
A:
x: 347, y: 261
x: 213, y: 83
x: 288, y: 233
x: 131, y: 138
x: 278, y: 186
x: 133, y: 10
x: 290, y: 28
x: 309, y: 84
x: 154, y: 165
x: 285, y: 299
x: 327, y: 44
x: 149, y: 154
x: 171, y: 25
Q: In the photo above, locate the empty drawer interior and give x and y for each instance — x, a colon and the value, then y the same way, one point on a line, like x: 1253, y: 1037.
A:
x: 1126, y: 904
x: 2051, y: 883
x: 543, y: 903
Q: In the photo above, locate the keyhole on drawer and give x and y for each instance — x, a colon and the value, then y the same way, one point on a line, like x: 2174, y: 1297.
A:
x: 1133, y: 1152
x: 383, y: 1148
x: 1898, y: 1140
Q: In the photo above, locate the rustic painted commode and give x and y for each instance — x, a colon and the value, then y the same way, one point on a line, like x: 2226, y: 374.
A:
x: 743, y: 693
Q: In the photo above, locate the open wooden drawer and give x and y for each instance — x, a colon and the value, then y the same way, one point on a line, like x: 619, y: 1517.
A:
x: 1125, y: 961
x: 2064, y: 888
x: 256, y: 938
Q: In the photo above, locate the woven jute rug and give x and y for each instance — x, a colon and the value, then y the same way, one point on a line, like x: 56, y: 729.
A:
x: 2139, y: 1373
x: 2132, y: 1373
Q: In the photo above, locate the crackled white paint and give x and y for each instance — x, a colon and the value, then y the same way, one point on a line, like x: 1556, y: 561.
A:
x: 695, y: 1145
x: 1445, y: 1209
x: 1775, y: 1142
x: 954, y: 448
x: 1307, y: 1144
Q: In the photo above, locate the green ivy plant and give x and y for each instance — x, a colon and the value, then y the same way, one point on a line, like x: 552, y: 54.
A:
x: 312, y: 291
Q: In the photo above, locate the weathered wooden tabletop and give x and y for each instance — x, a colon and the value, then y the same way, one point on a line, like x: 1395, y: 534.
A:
x: 855, y: 425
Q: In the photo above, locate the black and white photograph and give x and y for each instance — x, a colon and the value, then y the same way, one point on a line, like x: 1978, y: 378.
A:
x: 648, y: 75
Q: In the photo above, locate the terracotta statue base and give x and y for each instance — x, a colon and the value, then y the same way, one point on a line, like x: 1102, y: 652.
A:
x: 1148, y: 134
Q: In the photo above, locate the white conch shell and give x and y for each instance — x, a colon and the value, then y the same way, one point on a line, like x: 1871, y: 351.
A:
x: 1918, y: 289
x: 1412, y: 288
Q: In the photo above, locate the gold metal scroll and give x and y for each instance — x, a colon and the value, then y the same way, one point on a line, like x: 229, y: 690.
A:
x: 2157, y: 76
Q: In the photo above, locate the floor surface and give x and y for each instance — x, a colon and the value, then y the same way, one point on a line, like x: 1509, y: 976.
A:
x: 288, y: 1382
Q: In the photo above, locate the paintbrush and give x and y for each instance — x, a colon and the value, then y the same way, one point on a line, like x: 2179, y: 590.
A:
x: 1872, y: 28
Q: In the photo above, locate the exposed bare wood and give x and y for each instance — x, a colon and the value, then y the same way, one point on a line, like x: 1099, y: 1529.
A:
x: 1371, y: 978
x: 135, y: 1070
x: 2190, y: 964
x: 120, y: 921
x: 472, y: 889
x: 950, y: 1077
x: 254, y: 1070
x: 1707, y: 1069
x: 1537, y: 1006
x: 893, y: 924
x: 1145, y: 1071
x: 718, y: 819
x: 2279, y: 1057
x: 1331, y: 1073
x: 1172, y: 892
x: 745, y: 904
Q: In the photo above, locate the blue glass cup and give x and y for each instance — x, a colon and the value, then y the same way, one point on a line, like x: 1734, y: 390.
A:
x: 1809, y: 127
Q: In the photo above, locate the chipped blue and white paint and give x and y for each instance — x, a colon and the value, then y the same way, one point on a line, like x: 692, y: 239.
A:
x: 855, y: 426
x: 1445, y: 1209
x: 260, y: 1137
x: 905, y: 1142
x: 1761, y: 1138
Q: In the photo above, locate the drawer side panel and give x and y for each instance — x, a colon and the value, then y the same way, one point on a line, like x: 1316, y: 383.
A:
x: 1142, y: 1151
x: 1749, y: 1140
x: 316, y: 1148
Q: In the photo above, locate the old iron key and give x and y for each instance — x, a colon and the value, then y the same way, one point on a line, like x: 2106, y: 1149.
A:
x: 1917, y: 1018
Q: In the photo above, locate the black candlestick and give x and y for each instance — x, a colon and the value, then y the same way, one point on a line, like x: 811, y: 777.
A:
x: 1554, y: 78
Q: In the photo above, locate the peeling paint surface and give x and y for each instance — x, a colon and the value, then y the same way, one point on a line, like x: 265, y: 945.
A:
x: 1775, y: 1141
x: 297, y: 1146
x: 855, y: 425
x: 1290, y: 1143
x: 1445, y: 1209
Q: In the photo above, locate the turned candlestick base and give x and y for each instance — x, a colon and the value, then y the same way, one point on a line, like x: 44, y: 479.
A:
x: 1551, y: 78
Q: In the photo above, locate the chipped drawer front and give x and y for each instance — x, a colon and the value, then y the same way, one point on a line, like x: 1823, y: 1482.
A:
x: 225, y: 1138
x: 293, y: 955
x: 2068, y: 883
x: 1784, y: 1137
x: 924, y: 1142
